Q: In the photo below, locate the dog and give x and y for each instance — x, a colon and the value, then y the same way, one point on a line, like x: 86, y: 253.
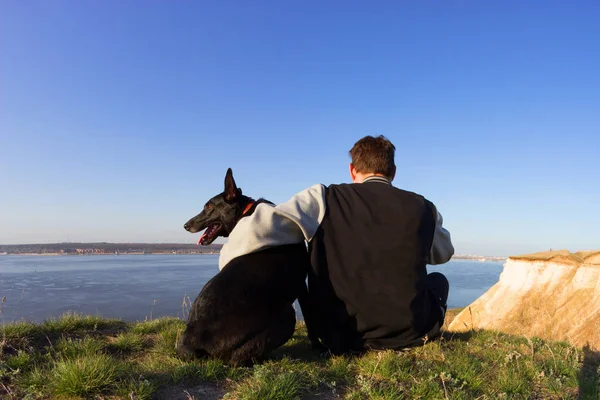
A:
x: 246, y: 310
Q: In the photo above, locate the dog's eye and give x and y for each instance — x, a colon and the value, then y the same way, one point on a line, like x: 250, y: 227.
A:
x: 208, y: 206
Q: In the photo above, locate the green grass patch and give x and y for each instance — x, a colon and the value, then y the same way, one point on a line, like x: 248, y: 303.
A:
x: 85, y: 376
x: 19, y: 330
x: 128, y: 342
x: 74, y: 347
x: 272, y: 381
x: 200, y: 370
x: 77, y: 356
x: 157, y: 325
x: 138, y: 389
x: 73, y: 322
x: 19, y: 362
x: 33, y: 383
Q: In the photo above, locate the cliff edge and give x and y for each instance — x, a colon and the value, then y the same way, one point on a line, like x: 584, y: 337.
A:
x: 553, y: 295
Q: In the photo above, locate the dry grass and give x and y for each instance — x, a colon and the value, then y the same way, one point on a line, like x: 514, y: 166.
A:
x: 590, y: 257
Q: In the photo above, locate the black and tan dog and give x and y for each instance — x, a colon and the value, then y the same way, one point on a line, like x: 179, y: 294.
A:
x: 246, y: 310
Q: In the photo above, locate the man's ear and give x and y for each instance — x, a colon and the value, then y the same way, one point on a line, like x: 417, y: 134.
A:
x: 353, y: 172
x: 231, y: 190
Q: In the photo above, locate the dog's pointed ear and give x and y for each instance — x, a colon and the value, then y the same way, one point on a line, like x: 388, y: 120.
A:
x: 231, y: 190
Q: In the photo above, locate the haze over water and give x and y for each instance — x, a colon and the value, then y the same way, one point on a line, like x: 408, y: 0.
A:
x: 136, y: 287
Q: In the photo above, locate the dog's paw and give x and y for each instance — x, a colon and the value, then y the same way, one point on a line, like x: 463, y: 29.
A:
x: 326, y: 354
x: 318, y: 346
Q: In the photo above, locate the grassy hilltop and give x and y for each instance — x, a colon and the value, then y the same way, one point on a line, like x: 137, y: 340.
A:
x: 91, y: 357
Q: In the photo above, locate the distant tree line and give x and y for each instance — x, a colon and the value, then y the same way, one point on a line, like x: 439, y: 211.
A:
x: 108, y: 248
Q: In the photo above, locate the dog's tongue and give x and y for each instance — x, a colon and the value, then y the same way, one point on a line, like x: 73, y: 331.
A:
x: 200, y: 239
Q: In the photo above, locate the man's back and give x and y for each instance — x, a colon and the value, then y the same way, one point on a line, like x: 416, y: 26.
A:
x: 369, y: 244
x: 369, y: 256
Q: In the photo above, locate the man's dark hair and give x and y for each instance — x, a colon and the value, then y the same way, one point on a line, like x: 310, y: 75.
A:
x: 373, y: 155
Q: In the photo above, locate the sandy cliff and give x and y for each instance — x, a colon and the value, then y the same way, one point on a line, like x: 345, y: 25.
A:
x: 553, y: 295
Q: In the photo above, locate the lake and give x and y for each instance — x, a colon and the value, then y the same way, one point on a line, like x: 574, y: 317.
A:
x: 138, y: 287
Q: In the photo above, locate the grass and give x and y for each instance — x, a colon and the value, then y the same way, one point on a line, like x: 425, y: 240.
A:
x: 84, y: 375
x: 128, y: 343
x: 81, y: 357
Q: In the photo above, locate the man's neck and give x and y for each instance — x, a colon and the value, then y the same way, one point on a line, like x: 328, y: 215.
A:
x: 361, y: 178
x: 377, y: 178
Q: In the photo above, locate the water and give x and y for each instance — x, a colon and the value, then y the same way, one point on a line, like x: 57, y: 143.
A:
x: 136, y: 287
x: 468, y: 279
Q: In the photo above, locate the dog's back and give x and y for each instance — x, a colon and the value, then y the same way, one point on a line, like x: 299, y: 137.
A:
x: 246, y: 309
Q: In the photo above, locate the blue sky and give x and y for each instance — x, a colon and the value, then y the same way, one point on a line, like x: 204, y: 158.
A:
x: 118, y: 119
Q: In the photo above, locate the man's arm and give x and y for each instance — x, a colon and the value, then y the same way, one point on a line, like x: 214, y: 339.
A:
x: 306, y: 209
x: 294, y: 221
x: 442, y: 249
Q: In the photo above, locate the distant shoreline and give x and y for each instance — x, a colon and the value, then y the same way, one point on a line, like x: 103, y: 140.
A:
x: 108, y: 254
x: 480, y: 258
x: 106, y: 248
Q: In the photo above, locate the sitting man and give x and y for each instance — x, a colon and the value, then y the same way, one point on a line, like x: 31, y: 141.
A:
x: 369, y: 244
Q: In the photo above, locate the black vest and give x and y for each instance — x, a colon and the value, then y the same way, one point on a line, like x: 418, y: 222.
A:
x: 367, y: 284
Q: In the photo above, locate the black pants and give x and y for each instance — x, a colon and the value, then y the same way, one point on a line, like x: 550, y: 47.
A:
x: 439, y: 287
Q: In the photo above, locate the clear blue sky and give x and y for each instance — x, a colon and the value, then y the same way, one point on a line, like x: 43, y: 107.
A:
x: 118, y: 119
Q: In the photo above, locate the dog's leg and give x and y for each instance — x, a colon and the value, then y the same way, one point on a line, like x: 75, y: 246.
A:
x: 309, y: 318
x: 186, y: 347
x: 275, y: 335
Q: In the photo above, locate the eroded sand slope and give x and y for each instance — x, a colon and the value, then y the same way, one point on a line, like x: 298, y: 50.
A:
x: 553, y: 295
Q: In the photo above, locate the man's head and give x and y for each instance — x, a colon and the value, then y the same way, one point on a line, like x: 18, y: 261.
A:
x: 372, y: 156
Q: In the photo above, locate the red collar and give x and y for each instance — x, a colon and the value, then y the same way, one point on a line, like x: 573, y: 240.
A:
x: 248, y: 207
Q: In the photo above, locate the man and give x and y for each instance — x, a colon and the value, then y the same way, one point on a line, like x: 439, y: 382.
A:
x: 369, y: 244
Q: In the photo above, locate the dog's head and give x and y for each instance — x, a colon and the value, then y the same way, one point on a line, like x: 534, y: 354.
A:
x: 220, y: 214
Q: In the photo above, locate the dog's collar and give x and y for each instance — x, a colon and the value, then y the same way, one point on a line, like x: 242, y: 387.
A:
x: 248, y: 207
